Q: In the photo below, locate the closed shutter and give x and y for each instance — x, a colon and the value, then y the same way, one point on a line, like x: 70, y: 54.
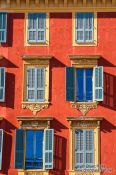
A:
x: 19, y: 149
x: 32, y: 27
x: 41, y: 28
x: 1, y: 147
x: 2, y: 84
x: 98, y: 83
x: 89, y: 148
x: 48, y: 148
x: 79, y: 149
x: 80, y: 27
x: 70, y: 78
x: 3, y: 27
x: 31, y: 84
x: 88, y: 32
x: 40, y: 84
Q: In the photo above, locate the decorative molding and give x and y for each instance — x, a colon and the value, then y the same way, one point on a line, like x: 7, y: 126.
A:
x: 25, y: 172
x: 83, y: 173
x: 38, y: 57
x: 35, y: 107
x: 84, y: 107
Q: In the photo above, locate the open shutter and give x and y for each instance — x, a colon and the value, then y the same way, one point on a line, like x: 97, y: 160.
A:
x: 3, y: 27
x: 2, y: 84
x: 89, y: 148
x: 41, y: 28
x: 80, y: 27
x: 40, y: 72
x: 79, y: 149
x: 32, y: 27
x: 70, y: 78
x: 98, y: 83
x: 31, y: 84
x: 19, y: 149
x: 1, y: 147
x: 48, y: 148
x: 88, y: 29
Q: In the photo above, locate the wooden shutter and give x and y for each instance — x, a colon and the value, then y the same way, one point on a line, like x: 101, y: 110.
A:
x: 1, y: 147
x: 48, y: 148
x: 89, y: 148
x: 40, y: 73
x: 19, y: 149
x: 32, y: 27
x: 2, y: 84
x: 70, y: 78
x: 41, y: 27
x: 79, y: 149
x: 98, y: 83
x: 3, y: 27
x: 88, y: 27
x: 80, y: 27
x: 31, y: 84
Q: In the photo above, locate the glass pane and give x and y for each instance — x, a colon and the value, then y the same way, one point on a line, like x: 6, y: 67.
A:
x: 32, y: 35
x: 40, y: 94
x: 1, y: 93
x: 89, y: 84
x: 41, y: 35
x: 31, y: 94
x: 80, y: 84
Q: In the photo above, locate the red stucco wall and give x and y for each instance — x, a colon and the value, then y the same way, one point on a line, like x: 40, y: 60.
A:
x: 60, y: 47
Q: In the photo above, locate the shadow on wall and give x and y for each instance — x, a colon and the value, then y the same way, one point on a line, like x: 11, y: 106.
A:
x: 106, y: 126
x: 7, y: 145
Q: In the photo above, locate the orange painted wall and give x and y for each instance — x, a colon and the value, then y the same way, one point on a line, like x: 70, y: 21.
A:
x: 60, y: 47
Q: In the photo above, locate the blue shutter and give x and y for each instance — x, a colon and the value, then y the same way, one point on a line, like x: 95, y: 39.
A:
x: 31, y: 84
x: 79, y: 149
x: 89, y: 148
x: 88, y: 27
x: 48, y: 148
x: 2, y: 84
x: 19, y: 149
x: 1, y: 147
x: 41, y: 27
x: 98, y: 83
x: 32, y: 27
x: 3, y: 27
x: 80, y: 27
x: 40, y: 73
x: 70, y: 78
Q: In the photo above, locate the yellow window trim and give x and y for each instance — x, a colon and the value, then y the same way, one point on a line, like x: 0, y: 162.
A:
x: 26, y: 32
x: 84, y: 123
x: 74, y: 43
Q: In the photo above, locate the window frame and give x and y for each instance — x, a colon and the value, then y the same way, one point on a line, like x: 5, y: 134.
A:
x: 74, y: 41
x: 4, y: 30
x: 3, y: 99
x: 41, y: 43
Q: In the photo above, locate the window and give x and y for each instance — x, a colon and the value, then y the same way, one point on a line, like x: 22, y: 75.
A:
x: 84, y: 28
x: 2, y: 84
x: 1, y: 147
x: 84, y: 85
x: 37, y: 29
x: 34, y: 149
x: 3, y: 27
x: 84, y: 149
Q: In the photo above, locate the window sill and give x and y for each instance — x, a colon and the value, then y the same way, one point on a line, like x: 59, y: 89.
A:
x: 84, y: 172
x: 94, y: 43
x: 35, y: 106
x: 44, y: 43
x: 84, y: 107
x: 32, y: 172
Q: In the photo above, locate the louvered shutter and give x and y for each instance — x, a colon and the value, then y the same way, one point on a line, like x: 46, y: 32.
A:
x: 31, y: 84
x: 79, y: 149
x: 41, y: 28
x: 88, y: 27
x: 80, y: 27
x: 32, y: 27
x: 2, y: 84
x: 98, y: 83
x: 1, y: 147
x: 19, y: 149
x: 89, y: 148
x: 40, y: 72
x: 70, y: 78
x: 48, y: 148
x: 3, y: 27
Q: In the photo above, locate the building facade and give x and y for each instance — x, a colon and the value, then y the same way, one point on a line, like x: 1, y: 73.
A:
x: 57, y: 87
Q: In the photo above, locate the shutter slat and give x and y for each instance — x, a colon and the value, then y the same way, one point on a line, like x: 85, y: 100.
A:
x: 41, y: 84
x: 31, y: 84
x: 98, y: 83
x: 3, y: 27
x: 19, y: 149
x: 32, y: 27
x: 70, y: 78
x: 48, y: 148
x: 80, y: 27
x: 41, y: 28
x: 2, y: 84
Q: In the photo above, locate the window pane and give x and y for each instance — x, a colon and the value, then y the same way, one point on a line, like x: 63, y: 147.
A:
x: 1, y: 93
x: 89, y: 94
x: 80, y: 84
